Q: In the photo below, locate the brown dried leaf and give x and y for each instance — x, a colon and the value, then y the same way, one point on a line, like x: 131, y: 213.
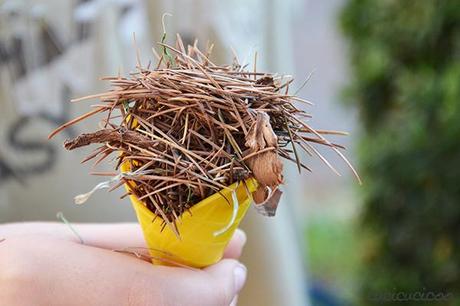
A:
x: 267, y: 167
x: 259, y: 195
x: 261, y: 133
x: 266, y: 204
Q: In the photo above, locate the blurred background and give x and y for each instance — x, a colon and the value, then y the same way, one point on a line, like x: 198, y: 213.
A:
x: 386, y: 71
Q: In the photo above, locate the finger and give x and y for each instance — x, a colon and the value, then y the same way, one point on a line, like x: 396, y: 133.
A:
x: 216, y: 285
x: 112, y: 236
x: 239, y: 276
x: 235, y: 301
x: 109, y: 236
x: 60, y: 272
x: 236, y: 244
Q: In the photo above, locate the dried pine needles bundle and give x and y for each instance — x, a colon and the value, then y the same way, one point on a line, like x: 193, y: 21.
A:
x: 189, y: 128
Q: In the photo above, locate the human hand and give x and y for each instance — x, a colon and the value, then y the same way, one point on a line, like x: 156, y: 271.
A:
x: 45, y: 264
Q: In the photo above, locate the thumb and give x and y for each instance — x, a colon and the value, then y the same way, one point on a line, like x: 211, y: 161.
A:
x: 216, y: 285
x: 230, y: 275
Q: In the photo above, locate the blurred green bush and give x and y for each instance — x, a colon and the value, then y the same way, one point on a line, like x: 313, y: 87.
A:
x: 405, y: 58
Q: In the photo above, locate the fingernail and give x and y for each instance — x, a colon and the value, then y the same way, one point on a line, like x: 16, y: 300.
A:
x: 239, y: 274
x: 242, y: 236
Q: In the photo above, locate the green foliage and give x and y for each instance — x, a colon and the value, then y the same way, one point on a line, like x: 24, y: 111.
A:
x: 334, y: 266
x: 406, y: 84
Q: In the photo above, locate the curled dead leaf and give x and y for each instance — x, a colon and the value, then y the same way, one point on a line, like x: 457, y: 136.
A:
x: 266, y: 167
x: 261, y: 133
x: 259, y: 195
x: 267, y: 200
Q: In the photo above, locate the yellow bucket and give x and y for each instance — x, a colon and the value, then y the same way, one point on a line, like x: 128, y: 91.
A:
x: 199, y: 244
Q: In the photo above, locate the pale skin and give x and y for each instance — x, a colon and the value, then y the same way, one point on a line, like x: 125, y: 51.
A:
x: 46, y: 264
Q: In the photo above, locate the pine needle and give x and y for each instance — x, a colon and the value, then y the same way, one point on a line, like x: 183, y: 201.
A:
x: 182, y: 127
